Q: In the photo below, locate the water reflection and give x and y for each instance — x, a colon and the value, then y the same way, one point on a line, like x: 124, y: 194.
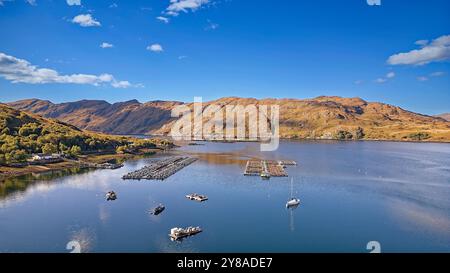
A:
x: 350, y: 192
x: 16, y: 187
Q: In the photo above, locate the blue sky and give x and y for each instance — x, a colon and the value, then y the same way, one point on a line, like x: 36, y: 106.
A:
x: 396, y: 53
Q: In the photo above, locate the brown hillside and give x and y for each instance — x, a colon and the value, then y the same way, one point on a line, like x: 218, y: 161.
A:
x: 318, y: 118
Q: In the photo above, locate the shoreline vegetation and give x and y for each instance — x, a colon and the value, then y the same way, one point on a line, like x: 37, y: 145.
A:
x: 33, y: 144
x: 30, y: 143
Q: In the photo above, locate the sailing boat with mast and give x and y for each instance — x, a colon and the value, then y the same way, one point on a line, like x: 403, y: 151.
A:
x: 293, y: 201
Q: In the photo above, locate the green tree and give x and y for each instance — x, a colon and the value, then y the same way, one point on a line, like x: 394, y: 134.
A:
x: 419, y: 136
x: 2, y: 159
x: 75, y: 150
x: 49, y: 148
x: 343, y: 135
x: 359, y: 133
x: 17, y: 156
x: 63, y: 148
x: 121, y: 149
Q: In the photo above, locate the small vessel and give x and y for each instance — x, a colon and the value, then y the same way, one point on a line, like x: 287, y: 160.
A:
x: 160, y: 208
x: 265, y: 175
x: 293, y: 202
x: 197, y: 197
x: 111, y: 196
x: 179, y: 233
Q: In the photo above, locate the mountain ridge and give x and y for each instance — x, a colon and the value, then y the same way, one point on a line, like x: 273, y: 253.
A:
x: 445, y: 116
x: 323, y: 117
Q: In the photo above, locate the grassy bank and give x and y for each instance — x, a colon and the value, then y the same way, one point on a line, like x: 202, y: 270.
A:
x: 8, y: 172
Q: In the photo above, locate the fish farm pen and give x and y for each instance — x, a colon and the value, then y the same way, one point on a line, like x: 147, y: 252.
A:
x: 161, y: 169
x: 267, y: 167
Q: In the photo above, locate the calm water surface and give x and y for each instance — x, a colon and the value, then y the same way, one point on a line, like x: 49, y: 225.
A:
x: 351, y: 192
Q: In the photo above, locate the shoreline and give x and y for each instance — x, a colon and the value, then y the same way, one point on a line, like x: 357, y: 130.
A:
x: 322, y: 139
x: 87, y: 160
x: 84, y: 162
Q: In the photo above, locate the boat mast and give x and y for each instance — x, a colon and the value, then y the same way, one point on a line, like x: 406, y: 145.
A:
x: 292, y: 187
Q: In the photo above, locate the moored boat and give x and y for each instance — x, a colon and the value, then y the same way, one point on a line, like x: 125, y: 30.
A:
x: 197, y: 197
x: 160, y: 208
x: 111, y: 196
x: 180, y: 233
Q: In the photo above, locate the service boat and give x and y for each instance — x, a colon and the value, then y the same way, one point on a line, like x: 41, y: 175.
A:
x: 265, y: 175
x: 197, y: 197
x: 293, y: 202
x: 180, y: 233
x: 158, y: 209
x: 111, y: 196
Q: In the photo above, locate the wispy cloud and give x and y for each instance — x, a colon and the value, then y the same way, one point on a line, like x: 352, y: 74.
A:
x: 86, y: 20
x: 211, y: 26
x: 437, y: 74
x: 21, y: 71
x: 31, y: 2
x: 73, y: 2
x: 113, y: 5
x: 384, y: 79
x: 2, y: 2
x: 422, y: 42
x: 155, y: 48
x: 106, y: 45
x: 422, y: 78
x: 431, y: 75
x: 163, y: 19
x: 435, y: 51
x: 182, y: 57
x: 177, y: 6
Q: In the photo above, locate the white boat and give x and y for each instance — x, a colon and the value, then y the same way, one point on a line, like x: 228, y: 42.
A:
x: 180, y: 233
x: 293, y: 202
x: 111, y: 196
x: 197, y: 197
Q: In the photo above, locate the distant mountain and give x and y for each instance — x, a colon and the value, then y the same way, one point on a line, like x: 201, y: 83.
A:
x: 445, y: 116
x: 318, y: 118
x: 130, y: 117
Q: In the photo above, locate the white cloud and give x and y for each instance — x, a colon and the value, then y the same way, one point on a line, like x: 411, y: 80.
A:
x: 73, y: 2
x: 434, y: 51
x: 182, y: 57
x: 431, y: 75
x: 177, y: 6
x: 155, y: 48
x: 163, y: 19
x: 422, y: 78
x: 31, y: 2
x: 437, y: 74
x: 422, y: 42
x: 121, y: 84
x: 384, y: 79
x: 2, y: 2
x: 106, y: 45
x: 358, y: 82
x: 113, y: 5
x: 21, y: 71
x: 211, y: 26
x: 86, y: 20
